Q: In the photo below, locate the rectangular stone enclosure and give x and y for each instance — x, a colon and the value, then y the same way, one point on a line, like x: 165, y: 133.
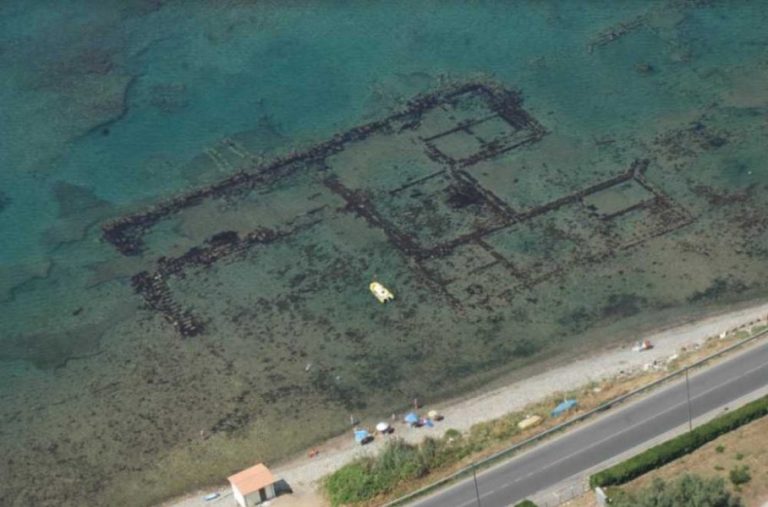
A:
x: 408, y: 176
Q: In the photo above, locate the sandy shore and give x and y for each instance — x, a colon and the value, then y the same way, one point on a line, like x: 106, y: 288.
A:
x: 302, y: 473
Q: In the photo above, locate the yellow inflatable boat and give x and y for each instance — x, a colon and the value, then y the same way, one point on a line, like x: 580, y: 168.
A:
x: 381, y: 293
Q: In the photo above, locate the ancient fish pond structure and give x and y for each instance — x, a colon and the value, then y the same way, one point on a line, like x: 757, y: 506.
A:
x: 433, y: 186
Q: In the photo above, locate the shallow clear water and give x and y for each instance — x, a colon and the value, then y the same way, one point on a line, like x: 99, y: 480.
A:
x: 106, y: 110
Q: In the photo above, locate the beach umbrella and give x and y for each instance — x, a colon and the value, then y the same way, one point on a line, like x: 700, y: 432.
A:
x: 432, y: 414
x: 382, y: 427
x: 411, y: 418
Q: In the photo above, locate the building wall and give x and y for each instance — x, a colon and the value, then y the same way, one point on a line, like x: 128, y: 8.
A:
x: 238, y: 497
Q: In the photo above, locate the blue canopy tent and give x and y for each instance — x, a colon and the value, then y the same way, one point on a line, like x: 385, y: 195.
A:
x: 411, y: 418
x: 362, y: 436
x: 563, y: 407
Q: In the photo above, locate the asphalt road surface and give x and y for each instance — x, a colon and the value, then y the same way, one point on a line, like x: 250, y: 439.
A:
x: 577, y: 451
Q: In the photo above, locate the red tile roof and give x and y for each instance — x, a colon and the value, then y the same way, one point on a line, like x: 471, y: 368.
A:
x: 252, y: 479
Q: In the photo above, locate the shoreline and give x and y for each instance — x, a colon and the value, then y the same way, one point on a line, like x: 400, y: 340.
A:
x: 461, y: 412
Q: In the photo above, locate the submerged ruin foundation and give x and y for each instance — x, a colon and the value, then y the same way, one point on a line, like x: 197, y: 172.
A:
x: 433, y: 206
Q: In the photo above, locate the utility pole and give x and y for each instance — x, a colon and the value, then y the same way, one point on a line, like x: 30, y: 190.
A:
x: 688, y: 395
x: 477, y: 490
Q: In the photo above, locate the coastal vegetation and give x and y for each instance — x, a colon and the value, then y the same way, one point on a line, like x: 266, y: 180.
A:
x: 369, y: 477
x: 687, y: 491
x: 401, y: 465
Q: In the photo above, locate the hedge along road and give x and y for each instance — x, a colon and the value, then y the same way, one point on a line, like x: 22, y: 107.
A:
x: 634, y: 425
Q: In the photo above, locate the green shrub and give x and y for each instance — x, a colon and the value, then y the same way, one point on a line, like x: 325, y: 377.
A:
x: 688, y: 491
x: 351, y: 483
x: 452, y: 433
x: 720, y: 449
x: 679, y: 446
x: 740, y: 475
x: 399, y: 461
x: 525, y: 503
x: 739, y: 456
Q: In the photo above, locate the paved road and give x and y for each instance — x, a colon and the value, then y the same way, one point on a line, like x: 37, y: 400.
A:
x: 611, y: 435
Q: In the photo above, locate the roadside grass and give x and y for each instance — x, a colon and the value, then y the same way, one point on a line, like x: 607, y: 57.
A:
x: 750, y: 442
x: 401, y: 468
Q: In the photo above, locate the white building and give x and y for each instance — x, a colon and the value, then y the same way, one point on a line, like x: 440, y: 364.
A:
x: 253, y: 485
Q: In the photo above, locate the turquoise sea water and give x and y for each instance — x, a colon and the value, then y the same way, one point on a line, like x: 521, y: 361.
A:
x: 109, y: 107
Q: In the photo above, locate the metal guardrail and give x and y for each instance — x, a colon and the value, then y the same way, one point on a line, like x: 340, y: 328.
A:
x: 485, y: 462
